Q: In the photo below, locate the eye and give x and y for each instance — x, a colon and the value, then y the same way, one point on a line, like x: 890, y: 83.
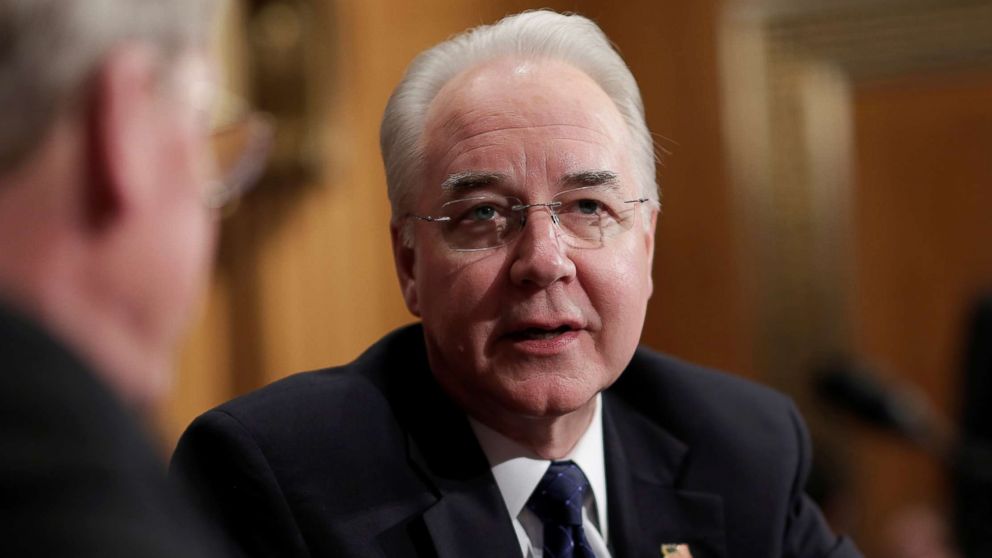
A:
x: 589, y: 207
x: 476, y: 211
x: 482, y: 213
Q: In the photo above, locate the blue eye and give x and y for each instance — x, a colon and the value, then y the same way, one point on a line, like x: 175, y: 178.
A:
x: 483, y: 213
x: 588, y: 207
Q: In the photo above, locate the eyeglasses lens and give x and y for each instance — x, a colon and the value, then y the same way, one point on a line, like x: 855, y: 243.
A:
x: 586, y: 215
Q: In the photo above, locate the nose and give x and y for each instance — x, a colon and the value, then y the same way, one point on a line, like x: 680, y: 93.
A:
x: 539, y: 257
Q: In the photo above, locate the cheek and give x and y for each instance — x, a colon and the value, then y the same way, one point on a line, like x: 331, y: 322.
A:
x: 618, y: 287
x: 461, y: 294
x: 615, y: 279
x: 191, y: 247
x: 200, y: 228
x: 171, y: 261
x: 200, y: 240
x: 192, y: 230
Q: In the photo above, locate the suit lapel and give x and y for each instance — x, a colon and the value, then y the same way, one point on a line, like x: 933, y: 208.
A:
x: 469, y: 517
x: 471, y: 523
x: 646, y: 507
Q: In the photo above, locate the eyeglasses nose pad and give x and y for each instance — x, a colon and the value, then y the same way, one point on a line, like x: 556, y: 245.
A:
x: 551, y: 207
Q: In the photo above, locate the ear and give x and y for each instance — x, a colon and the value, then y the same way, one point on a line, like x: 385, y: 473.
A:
x: 649, y: 235
x: 404, y: 257
x: 122, y: 131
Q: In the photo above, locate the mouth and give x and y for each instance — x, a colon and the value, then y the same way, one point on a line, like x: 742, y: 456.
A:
x: 538, y: 333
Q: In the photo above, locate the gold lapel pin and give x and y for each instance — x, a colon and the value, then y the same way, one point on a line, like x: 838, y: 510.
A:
x: 675, y: 551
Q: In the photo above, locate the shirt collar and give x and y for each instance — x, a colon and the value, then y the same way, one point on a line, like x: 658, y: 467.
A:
x: 518, y: 470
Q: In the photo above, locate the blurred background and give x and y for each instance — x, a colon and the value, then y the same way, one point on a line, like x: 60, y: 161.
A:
x: 827, y: 219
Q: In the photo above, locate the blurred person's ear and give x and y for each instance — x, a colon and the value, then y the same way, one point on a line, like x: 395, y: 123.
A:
x: 404, y: 258
x: 122, y: 125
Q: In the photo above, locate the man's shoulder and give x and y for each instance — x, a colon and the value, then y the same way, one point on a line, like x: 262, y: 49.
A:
x: 298, y: 393
x: 651, y: 367
x: 58, y: 417
x: 738, y: 439
x: 282, y: 439
x: 361, y: 390
x: 48, y: 390
x: 694, y: 401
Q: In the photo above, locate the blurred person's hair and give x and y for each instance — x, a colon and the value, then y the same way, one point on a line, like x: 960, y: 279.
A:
x: 532, y: 35
x: 49, y: 49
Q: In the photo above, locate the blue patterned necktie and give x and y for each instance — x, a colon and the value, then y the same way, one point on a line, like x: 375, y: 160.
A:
x: 557, y: 502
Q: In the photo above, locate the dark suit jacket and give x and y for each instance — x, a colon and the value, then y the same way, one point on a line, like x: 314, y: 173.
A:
x: 77, y: 475
x: 372, y: 459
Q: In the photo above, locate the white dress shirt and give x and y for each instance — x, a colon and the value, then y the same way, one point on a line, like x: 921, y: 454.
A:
x: 518, y: 471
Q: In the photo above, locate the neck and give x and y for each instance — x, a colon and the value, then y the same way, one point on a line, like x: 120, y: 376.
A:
x: 105, y: 334
x: 66, y: 300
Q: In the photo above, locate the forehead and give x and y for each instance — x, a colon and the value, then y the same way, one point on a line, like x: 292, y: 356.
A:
x: 522, y: 117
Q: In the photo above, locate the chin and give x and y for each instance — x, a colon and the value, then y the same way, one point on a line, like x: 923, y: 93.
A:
x: 548, y: 396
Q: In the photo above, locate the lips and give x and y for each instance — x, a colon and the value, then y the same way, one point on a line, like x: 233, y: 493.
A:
x: 539, y: 333
x: 540, y: 329
x: 544, y: 337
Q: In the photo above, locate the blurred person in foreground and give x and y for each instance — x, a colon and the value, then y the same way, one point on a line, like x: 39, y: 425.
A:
x: 108, y: 189
x: 519, y: 418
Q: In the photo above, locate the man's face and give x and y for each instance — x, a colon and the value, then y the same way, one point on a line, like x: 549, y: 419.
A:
x: 172, y: 231
x: 537, y: 327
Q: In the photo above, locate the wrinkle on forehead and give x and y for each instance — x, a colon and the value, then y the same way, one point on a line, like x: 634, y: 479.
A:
x: 518, y: 94
x: 494, y: 138
x: 470, y: 134
x: 518, y: 110
x: 467, y: 118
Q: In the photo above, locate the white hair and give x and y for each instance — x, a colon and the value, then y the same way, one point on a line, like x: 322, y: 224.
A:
x: 540, y: 34
x: 49, y: 49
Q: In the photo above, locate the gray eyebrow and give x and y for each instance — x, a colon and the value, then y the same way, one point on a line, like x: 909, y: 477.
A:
x: 474, y: 179
x: 589, y: 178
x: 471, y: 179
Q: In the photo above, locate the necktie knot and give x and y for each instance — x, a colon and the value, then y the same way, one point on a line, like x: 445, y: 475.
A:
x: 559, y: 496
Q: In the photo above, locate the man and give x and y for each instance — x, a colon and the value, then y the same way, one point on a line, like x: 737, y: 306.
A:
x: 106, y: 233
x: 520, y: 418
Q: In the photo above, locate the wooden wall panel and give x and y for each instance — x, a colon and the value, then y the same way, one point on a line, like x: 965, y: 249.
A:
x: 923, y: 228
